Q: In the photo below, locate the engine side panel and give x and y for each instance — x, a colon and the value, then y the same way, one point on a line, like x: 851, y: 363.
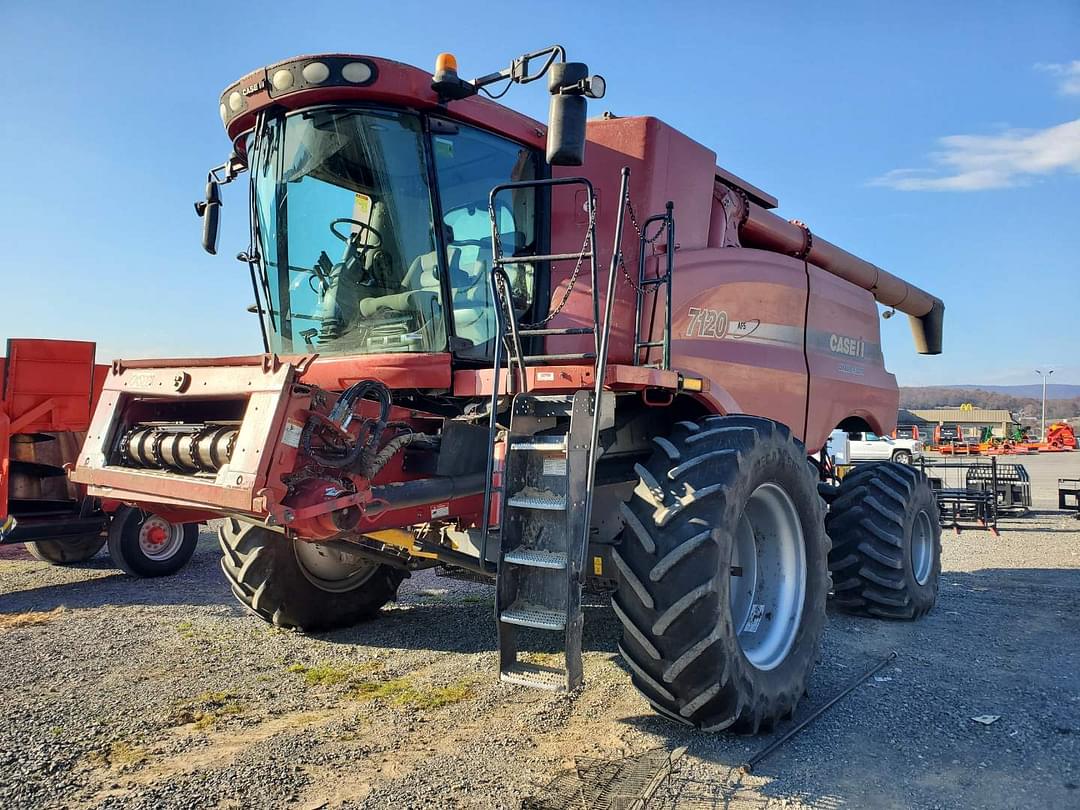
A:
x: 847, y: 368
x: 737, y: 319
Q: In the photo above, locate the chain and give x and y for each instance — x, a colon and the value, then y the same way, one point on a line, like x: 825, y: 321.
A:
x: 586, y: 245
x: 644, y: 240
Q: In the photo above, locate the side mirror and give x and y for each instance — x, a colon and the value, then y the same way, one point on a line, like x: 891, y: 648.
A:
x: 209, y: 210
x: 569, y: 84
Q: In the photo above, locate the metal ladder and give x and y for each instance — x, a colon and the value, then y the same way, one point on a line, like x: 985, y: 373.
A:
x: 644, y: 284
x: 549, y: 473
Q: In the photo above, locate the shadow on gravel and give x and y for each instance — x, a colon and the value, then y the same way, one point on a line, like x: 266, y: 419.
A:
x: 464, y: 625
x: 199, y: 584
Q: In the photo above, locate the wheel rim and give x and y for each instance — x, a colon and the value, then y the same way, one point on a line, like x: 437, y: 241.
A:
x: 331, y: 570
x: 903, y: 458
x: 768, y: 576
x: 159, y: 539
x: 922, y: 547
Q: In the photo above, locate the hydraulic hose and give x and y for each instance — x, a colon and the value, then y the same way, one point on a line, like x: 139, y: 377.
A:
x: 361, y: 455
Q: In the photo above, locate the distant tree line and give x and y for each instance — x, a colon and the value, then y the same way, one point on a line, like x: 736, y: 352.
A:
x: 944, y: 397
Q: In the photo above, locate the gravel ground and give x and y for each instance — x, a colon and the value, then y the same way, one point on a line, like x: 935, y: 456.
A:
x: 164, y: 693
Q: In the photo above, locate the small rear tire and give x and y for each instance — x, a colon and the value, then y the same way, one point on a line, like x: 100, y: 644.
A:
x: 299, y: 585
x: 66, y: 550
x: 145, y: 545
x: 886, y: 542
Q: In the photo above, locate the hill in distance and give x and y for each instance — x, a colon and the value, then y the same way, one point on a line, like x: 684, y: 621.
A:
x: 1053, y: 390
x: 1062, y: 400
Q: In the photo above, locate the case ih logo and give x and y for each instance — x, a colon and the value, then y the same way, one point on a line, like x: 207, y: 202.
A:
x: 852, y: 347
x: 253, y: 88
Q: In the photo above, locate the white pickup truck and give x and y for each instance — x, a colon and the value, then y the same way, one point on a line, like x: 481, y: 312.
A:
x: 871, y: 447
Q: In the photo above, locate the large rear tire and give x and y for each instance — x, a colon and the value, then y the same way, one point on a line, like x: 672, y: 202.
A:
x: 146, y: 545
x: 302, y: 586
x: 67, y: 550
x: 723, y: 574
x: 886, y: 542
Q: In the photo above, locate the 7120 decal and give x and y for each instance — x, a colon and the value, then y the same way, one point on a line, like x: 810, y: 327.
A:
x: 715, y: 323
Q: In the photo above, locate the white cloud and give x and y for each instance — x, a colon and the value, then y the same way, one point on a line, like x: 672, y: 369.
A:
x: 979, y: 162
x: 1067, y: 72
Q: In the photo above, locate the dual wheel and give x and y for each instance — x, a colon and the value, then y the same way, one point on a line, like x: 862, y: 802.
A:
x: 140, y: 544
x: 724, y: 567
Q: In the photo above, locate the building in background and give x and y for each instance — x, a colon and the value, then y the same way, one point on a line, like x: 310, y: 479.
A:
x: 971, y: 422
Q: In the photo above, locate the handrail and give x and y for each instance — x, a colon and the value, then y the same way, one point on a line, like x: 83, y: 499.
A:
x: 601, y: 360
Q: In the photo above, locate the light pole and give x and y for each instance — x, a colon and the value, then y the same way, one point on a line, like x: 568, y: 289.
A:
x: 1044, y: 377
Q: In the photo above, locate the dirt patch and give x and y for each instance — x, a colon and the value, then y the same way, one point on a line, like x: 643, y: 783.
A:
x: 31, y: 618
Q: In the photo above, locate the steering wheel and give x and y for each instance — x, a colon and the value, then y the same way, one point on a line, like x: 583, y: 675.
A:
x: 363, y: 226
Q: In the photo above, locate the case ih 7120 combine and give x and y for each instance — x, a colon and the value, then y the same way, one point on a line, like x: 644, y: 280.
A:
x: 452, y: 377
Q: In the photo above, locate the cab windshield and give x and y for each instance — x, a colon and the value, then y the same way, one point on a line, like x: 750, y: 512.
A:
x: 344, y: 218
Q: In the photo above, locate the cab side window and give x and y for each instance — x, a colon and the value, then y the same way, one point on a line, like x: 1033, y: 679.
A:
x: 469, y: 163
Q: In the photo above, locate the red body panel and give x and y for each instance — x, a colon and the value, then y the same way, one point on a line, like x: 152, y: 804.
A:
x: 847, y: 371
x: 46, y: 386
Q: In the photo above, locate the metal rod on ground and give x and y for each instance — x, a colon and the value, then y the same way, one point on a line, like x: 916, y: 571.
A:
x: 751, y: 763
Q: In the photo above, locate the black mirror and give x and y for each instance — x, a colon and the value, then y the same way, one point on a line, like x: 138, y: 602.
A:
x: 210, y: 213
x: 569, y: 84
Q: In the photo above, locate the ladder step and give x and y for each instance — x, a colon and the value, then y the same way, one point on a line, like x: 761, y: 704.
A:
x: 543, y: 257
x: 650, y: 344
x: 542, y: 444
x: 536, y: 676
x: 528, y: 614
x: 646, y: 281
x: 550, y: 501
x: 536, y: 558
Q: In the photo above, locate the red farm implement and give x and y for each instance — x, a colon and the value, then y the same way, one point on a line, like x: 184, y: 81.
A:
x: 48, y: 391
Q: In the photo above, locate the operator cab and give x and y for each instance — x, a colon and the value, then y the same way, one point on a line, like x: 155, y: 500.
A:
x: 370, y: 219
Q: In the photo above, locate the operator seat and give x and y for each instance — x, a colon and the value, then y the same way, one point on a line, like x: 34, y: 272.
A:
x: 381, y: 263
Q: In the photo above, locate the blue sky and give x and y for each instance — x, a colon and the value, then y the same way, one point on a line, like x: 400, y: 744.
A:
x: 939, y: 140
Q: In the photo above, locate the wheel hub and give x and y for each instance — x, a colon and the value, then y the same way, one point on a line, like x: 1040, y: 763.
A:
x: 922, y: 547
x: 159, y: 539
x: 330, y: 569
x: 768, y: 576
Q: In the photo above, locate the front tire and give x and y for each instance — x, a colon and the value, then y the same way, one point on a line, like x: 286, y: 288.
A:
x: 66, y: 550
x: 901, y: 457
x: 145, y: 545
x: 302, y: 586
x: 886, y: 542
x: 723, y: 574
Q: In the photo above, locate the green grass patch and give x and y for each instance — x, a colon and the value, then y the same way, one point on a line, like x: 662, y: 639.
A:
x: 403, y: 692
x: 327, y: 674
x: 204, y: 710
x: 477, y: 599
x: 118, y: 755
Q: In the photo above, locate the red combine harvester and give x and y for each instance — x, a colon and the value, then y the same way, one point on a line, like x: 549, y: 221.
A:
x: 1059, y: 436
x: 48, y: 390
x: 451, y: 377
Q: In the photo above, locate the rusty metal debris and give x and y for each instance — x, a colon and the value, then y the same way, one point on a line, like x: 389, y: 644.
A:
x: 598, y: 784
x: 767, y: 750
